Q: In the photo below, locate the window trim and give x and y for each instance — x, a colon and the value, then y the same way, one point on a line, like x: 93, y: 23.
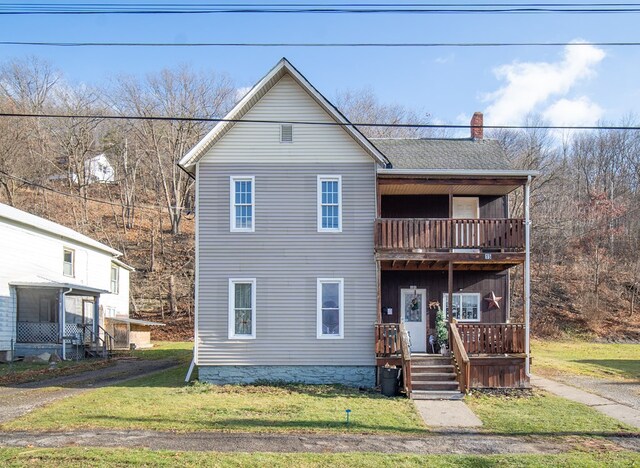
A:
x: 232, y: 308
x: 73, y: 262
x: 323, y: 178
x: 445, y: 297
x: 319, y: 334
x: 232, y: 203
x: 115, y: 290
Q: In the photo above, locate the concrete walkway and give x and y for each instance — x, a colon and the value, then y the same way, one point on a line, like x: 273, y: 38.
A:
x: 446, y: 443
x: 446, y: 413
x: 623, y: 413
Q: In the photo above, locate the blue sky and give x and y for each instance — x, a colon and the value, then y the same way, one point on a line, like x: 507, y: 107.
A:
x: 576, y: 86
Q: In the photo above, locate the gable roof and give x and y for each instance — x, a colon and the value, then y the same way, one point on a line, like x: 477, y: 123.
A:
x: 54, y: 229
x: 452, y: 154
x: 282, y: 68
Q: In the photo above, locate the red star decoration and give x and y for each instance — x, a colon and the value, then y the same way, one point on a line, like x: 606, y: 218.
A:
x: 494, y: 301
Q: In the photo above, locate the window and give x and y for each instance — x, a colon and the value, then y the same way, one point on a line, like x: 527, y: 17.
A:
x: 110, y: 312
x: 330, y: 319
x: 329, y: 204
x: 242, y: 308
x: 242, y: 204
x: 286, y: 133
x: 115, y: 279
x: 68, y: 262
x: 466, y: 306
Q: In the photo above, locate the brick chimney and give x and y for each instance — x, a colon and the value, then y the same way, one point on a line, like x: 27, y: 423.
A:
x: 477, y: 130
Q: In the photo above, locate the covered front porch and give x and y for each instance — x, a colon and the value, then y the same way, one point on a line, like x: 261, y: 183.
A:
x: 58, y: 317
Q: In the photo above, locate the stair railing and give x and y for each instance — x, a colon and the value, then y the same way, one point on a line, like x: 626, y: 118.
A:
x: 96, y: 340
x: 461, y: 358
x: 405, y: 352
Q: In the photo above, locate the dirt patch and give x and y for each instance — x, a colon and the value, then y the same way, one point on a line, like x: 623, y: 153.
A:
x: 34, y: 375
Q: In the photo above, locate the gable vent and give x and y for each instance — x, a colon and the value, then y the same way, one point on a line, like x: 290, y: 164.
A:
x: 286, y: 133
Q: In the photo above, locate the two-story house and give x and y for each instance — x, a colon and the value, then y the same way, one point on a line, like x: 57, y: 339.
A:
x: 318, y: 250
x: 57, y: 287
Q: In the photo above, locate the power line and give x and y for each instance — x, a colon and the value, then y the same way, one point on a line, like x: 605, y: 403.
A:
x: 329, y: 124
x: 71, y: 195
x: 317, y: 8
x: 320, y: 44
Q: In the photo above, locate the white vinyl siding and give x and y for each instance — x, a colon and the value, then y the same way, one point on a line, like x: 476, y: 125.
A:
x: 329, y: 204
x: 68, y: 262
x: 242, y: 204
x: 466, y: 306
x: 330, y: 313
x: 242, y: 308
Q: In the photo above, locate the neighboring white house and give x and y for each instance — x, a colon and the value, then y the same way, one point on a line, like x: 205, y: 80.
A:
x: 54, y: 283
x: 97, y: 169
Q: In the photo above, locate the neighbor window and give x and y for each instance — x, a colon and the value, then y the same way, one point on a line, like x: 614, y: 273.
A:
x: 330, y: 316
x: 466, y: 306
x: 115, y: 279
x: 68, y: 262
x: 242, y: 204
x: 242, y: 308
x: 329, y: 203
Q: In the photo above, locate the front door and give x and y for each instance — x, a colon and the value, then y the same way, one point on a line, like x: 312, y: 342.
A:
x: 413, y: 312
x: 465, y: 235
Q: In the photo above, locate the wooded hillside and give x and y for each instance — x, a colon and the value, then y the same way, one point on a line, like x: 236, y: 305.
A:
x: 585, y: 206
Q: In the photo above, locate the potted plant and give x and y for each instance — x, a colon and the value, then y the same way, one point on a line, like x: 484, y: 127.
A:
x: 442, y: 333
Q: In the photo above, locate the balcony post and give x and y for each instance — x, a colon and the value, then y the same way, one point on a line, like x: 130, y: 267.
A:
x: 527, y: 273
x: 450, y: 293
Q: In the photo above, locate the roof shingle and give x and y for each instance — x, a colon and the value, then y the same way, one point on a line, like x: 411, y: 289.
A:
x: 427, y: 153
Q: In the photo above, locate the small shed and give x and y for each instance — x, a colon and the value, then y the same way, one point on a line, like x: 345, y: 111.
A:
x: 131, y: 333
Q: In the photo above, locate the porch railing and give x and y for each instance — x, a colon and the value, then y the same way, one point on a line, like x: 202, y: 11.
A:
x: 492, y: 338
x: 444, y: 234
x: 461, y: 359
x: 387, y: 336
x: 37, y: 332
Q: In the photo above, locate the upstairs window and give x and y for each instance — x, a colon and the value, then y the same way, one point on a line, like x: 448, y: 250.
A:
x: 242, y: 204
x: 68, y: 258
x: 329, y: 204
x: 466, y: 306
x: 242, y: 308
x: 286, y: 133
x: 115, y: 279
x: 330, y: 312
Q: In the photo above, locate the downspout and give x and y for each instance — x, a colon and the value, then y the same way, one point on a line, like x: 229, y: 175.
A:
x: 527, y: 275
x: 63, y: 320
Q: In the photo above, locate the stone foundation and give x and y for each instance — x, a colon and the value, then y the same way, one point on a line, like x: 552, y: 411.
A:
x: 353, y: 376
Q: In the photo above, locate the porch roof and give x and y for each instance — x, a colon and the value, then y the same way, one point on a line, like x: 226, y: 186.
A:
x: 135, y: 321
x: 42, y: 282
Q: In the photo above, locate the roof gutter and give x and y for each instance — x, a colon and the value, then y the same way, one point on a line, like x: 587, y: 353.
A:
x: 493, y: 173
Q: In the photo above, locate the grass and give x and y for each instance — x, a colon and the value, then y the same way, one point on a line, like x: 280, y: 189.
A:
x: 14, y: 457
x: 602, y: 360
x: 163, y: 402
x: 22, y: 372
x: 541, y: 413
x: 178, y: 350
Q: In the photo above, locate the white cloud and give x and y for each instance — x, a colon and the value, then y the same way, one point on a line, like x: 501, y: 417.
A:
x: 529, y: 85
x: 241, y: 92
x: 444, y: 59
x: 573, y: 112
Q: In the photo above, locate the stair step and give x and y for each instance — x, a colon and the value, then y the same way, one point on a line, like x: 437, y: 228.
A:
x: 440, y: 368
x: 438, y: 376
x: 436, y: 395
x: 435, y: 385
x: 430, y: 360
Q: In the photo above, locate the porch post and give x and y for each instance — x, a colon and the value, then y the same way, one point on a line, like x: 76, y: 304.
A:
x: 378, y: 293
x: 62, y: 319
x: 96, y: 318
x: 527, y: 273
x: 450, y: 290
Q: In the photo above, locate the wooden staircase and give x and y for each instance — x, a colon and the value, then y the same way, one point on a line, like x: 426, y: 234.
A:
x: 433, y: 377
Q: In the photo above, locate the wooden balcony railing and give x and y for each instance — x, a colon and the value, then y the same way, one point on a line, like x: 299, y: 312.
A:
x: 492, y: 338
x: 446, y: 234
x: 387, y: 336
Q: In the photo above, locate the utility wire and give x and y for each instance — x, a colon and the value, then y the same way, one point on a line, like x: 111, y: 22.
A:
x: 327, y: 124
x: 319, y: 44
x: 318, y: 8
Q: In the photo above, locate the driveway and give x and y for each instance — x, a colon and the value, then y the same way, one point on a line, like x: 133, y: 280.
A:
x: 18, y: 400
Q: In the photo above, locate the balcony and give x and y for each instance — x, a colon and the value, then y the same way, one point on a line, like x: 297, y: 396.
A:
x: 433, y: 242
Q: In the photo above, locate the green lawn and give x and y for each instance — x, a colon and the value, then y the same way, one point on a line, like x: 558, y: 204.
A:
x: 179, y: 350
x: 163, y: 402
x: 541, y: 413
x: 606, y: 360
x: 141, y: 457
